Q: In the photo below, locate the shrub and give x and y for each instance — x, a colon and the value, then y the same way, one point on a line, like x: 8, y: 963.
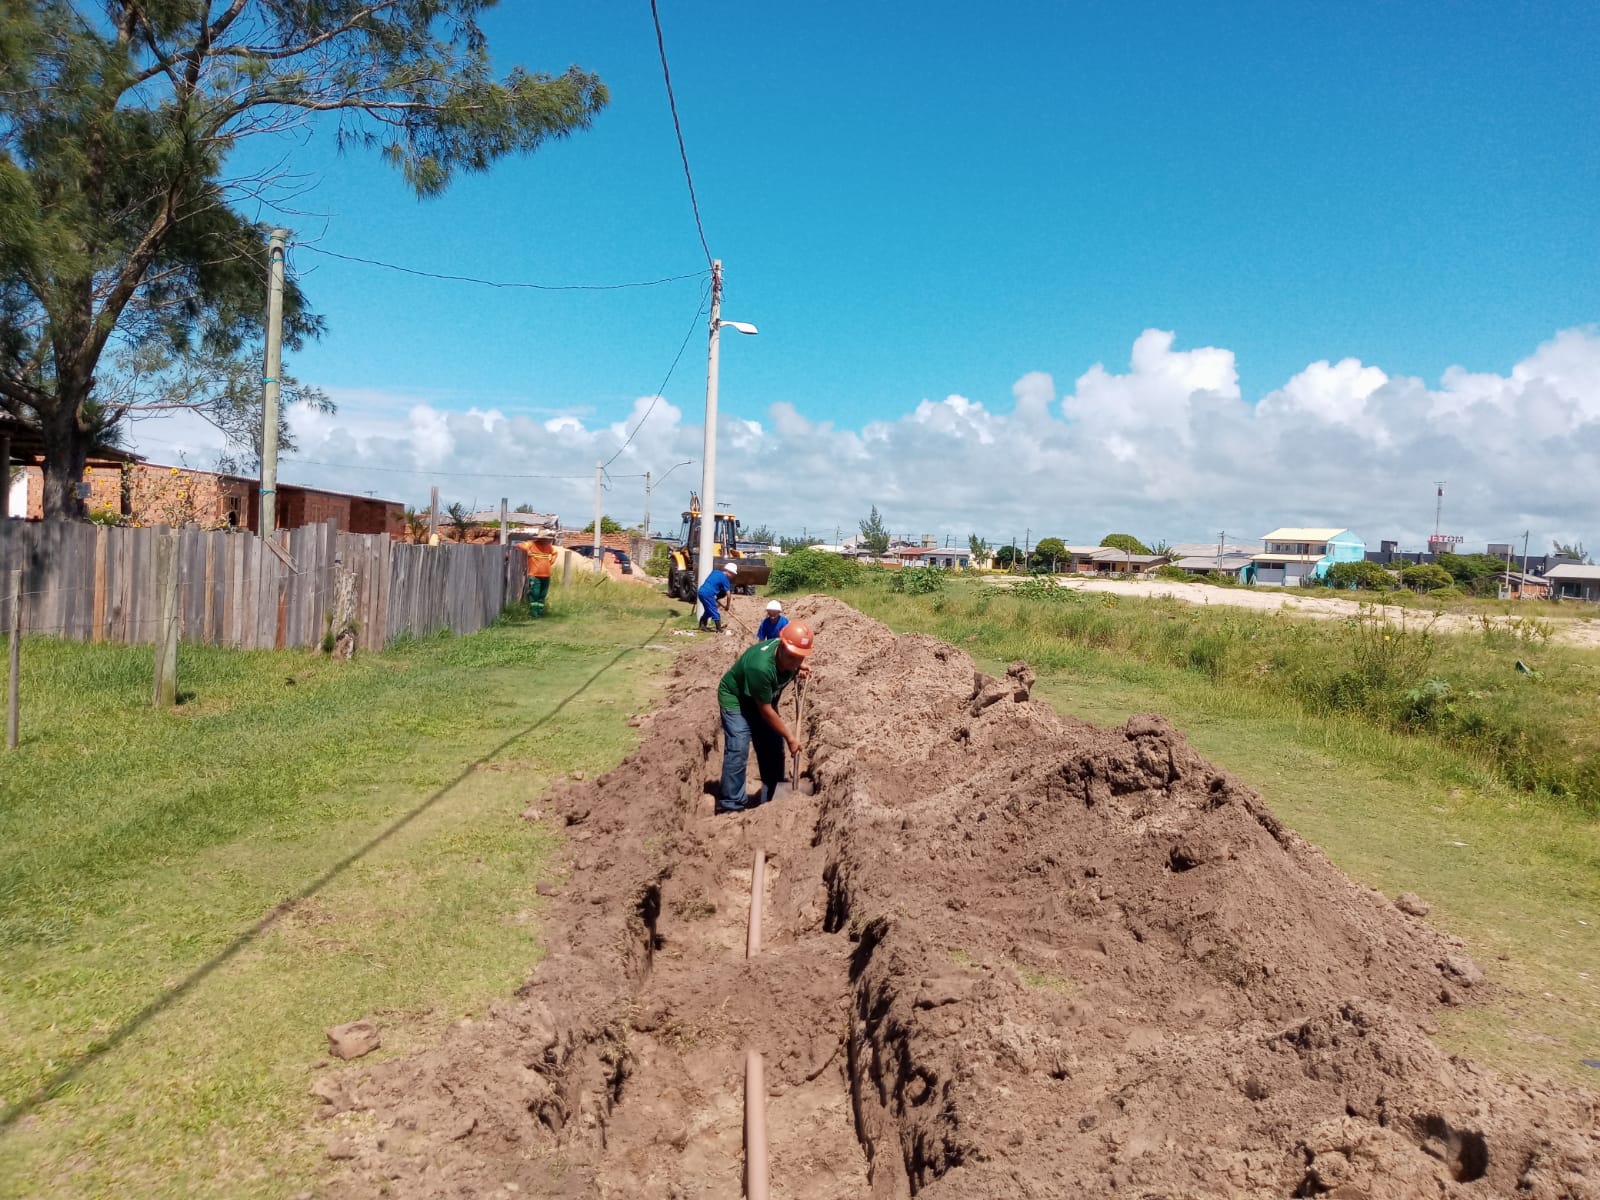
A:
x: 1369, y: 575
x: 918, y: 581
x: 1168, y: 571
x: 660, y: 564
x: 810, y: 570
x: 1426, y: 577
x: 1043, y: 587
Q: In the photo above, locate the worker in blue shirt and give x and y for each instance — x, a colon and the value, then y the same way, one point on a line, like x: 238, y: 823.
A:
x: 772, y: 624
x: 715, y: 594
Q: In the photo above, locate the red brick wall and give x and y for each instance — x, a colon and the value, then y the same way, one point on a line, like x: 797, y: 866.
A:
x: 105, y: 490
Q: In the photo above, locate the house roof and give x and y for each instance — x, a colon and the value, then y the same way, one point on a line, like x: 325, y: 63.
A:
x: 1108, y: 554
x: 28, y: 443
x: 1208, y: 562
x: 1203, y: 549
x: 1270, y: 557
x: 1291, y: 534
x: 1574, y: 571
x: 547, y: 520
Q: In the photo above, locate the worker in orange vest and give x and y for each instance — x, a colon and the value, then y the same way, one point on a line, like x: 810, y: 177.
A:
x: 541, y: 558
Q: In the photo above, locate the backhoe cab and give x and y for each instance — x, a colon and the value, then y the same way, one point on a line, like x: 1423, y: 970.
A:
x: 684, y: 575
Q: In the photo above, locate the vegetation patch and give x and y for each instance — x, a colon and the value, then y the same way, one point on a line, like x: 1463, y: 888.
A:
x: 191, y: 897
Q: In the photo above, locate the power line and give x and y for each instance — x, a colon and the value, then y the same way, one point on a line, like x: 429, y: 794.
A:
x: 667, y: 378
x: 426, y: 471
x: 672, y: 103
x: 493, y: 283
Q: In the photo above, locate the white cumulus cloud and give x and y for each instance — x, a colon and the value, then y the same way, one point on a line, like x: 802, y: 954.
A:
x: 1166, y: 447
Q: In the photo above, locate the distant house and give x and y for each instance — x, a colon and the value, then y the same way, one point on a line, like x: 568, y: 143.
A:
x: 933, y: 556
x: 1520, y: 585
x: 1239, y: 565
x: 1291, y: 554
x: 1107, y: 560
x: 1574, y: 581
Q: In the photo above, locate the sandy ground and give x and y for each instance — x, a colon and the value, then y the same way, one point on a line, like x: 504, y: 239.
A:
x: 1005, y: 954
x: 1575, y: 631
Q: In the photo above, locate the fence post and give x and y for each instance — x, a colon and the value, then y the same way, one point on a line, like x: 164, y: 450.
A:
x: 165, y: 692
x: 14, y: 671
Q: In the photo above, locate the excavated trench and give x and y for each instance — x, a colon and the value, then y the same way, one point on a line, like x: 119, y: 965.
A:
x: 1005, y: 954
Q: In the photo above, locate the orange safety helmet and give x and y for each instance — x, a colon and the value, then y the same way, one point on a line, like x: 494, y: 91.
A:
x: 796, y: 638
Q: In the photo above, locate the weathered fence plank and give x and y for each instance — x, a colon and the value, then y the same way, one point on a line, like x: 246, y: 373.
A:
x: 94, y: 583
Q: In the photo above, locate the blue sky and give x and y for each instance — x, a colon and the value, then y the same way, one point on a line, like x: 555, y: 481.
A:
x: 915, y: 202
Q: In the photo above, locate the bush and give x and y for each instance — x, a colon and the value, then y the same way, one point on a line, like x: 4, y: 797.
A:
x: 810, y: 570
x: 660, y: 564
x: 1368, y: 575
x: 918, y: 581
x: 1176, y: 574
x: 1426, y: 577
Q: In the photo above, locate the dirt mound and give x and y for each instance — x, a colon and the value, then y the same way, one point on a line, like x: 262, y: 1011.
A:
x: 1007, y: 954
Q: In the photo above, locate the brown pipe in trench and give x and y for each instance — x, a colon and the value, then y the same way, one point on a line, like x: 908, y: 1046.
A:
x: 758, y: 873
x: 755, y: 1128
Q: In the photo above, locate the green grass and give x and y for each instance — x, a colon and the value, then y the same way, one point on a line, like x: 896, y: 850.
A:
x: 1515, y: 873
x: 156, y: 1035
x: 1535, y: 727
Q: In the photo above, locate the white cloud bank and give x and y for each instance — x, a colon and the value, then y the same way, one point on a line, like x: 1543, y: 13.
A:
x: 1168, y: 448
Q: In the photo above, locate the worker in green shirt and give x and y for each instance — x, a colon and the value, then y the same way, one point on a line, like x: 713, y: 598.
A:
x: 748, y: 696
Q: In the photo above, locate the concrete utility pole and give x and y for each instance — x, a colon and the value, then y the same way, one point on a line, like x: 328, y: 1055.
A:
x: 1525, y: 535
x: 433, y: 514
x: 599, y: 467
x: 647, y: 505
x: 708, y: 460
x: 505, y: 555
x: 708, y: 456
x: 1222, y: 541
x: 271, y: 370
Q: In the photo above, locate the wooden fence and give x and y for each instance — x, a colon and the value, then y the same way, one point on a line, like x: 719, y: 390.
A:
x: 98, y: 584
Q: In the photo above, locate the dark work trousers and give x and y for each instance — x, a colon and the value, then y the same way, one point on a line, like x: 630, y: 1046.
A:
x: 739, y: 729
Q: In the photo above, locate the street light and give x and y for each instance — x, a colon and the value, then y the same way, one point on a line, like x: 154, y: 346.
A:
x: 648, y: 486
x: 708, y: 460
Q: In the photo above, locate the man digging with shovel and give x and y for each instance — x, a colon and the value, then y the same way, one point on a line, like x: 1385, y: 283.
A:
x: 748, y: 696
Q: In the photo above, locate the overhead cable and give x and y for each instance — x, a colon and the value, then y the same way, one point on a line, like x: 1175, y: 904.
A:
x: 672, y: 103
x: 495, y: 283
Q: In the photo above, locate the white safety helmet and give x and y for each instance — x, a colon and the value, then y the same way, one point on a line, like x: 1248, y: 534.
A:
x: 730, y: 568
x: 774, y: 605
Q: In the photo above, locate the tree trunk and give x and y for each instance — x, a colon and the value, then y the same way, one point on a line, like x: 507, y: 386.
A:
x: 66, y: 452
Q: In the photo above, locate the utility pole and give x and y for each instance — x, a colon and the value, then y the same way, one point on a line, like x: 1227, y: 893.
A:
x: 505, y: 555
x: 708, y: 458
x: 271, y: 370
x: 433, y: 514
x: 599, y: 468
x: 1525, y: 535
x: 14, y: 664
x: 1222, y: 541
x: 1438, y: 507
x: 647, y: 505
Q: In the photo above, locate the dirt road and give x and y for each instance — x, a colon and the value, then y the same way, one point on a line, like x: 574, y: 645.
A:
x: 1574, y: 631
x: 1007, y: 954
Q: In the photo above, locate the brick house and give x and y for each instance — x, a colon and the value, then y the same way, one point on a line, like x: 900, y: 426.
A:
x: 146, y: 493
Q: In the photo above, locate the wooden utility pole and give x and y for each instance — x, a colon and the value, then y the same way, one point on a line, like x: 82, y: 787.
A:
x: 165, y: 692
x: 505, y: 556
x: 270, y: 373
x: 14, y: 667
